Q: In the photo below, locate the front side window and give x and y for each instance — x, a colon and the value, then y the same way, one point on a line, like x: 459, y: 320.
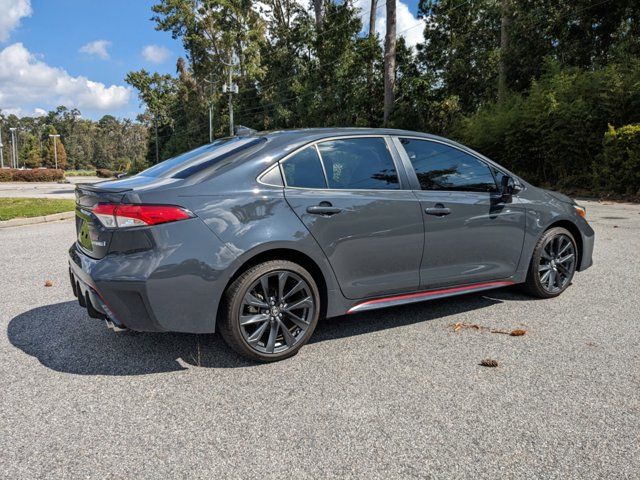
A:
x: 303, y: 170
x: 441, y: 167
x: 359, y: 164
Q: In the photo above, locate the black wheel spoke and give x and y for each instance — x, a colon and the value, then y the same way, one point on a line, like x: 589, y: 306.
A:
x: 251, y: 319
x: 288, y: 338
x: 273, y: 333
x: 557, y: 263
x: 276, y: 312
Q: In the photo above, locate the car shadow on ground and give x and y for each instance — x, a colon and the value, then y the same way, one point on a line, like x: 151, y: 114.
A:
x: 64, y: 339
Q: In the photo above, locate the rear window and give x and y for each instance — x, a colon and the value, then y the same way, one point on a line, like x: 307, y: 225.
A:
x: 201, y: 158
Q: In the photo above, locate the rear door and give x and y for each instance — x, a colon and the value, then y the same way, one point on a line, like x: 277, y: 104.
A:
x: 471, y: 233
x: 352, y: 198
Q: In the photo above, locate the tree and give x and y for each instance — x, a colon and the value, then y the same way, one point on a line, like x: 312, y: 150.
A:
x: 372, y: 18
x: 390, y: 60
x: 505, y: 20
x: 317, y: 8
x: 30, y: 152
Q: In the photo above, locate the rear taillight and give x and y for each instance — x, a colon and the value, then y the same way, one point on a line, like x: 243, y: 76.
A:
x: 123, y: 216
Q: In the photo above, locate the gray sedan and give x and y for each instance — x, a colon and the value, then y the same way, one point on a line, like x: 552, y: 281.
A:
x: 258, y: 236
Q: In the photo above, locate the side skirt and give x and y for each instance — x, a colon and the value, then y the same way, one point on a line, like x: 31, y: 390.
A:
x: 426, y: 295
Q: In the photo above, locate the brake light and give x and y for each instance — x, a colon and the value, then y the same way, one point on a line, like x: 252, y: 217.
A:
x: 123, y: 216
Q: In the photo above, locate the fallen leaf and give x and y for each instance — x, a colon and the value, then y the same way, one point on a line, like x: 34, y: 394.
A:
x: 489, y: 362
x: 48, y: 283
x: 517, y: 333
x: 460, y: 325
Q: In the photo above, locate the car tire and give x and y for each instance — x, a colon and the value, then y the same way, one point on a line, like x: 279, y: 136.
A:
x: 246, y: 309
x: 544, y: 260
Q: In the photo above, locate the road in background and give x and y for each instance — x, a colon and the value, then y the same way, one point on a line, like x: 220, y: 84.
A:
x: 384, y: 394
x: 44, y: 189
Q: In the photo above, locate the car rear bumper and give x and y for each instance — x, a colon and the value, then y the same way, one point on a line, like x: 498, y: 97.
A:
x: 94, y: 297
x: 174, y: 285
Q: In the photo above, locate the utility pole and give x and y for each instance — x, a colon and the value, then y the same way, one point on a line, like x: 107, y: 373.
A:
x: 14, y: 150
x: 1, y: 154
x: 230, y: 88
x: 55, y: 148
x: 155, y: 127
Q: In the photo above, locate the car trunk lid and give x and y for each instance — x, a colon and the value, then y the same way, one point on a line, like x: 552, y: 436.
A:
x: 93, y: 237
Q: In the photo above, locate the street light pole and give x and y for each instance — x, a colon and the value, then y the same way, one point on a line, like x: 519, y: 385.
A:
x: 55, y: 148
x: 1, y: 146
x: 14, y: 151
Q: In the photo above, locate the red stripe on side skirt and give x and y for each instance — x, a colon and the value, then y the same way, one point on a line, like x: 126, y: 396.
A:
x: 430, y: 293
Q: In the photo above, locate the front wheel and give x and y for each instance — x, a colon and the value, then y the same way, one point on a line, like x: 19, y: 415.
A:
x: 553, y: 264
x: 270, y: 311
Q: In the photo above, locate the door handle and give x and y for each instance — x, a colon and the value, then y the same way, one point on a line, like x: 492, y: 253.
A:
x: 323, y: 210
x: 439, y: 210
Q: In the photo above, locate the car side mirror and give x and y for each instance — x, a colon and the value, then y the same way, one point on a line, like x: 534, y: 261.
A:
x: 508, y: 188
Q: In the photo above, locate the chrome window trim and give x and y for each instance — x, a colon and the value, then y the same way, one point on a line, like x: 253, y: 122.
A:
x: 314, y: 144
x: 489, y: 165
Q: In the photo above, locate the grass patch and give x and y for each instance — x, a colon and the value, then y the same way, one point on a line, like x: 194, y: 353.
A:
x: 80, y: 173
x: 33, y: 207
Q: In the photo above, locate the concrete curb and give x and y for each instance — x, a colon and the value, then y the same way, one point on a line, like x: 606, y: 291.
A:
x: 17, y: 222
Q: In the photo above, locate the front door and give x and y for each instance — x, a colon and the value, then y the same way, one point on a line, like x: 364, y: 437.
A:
x: 348, y: 194
x: 471, y: 233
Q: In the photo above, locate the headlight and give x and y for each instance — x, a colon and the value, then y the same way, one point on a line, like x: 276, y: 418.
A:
x: 581, y: 211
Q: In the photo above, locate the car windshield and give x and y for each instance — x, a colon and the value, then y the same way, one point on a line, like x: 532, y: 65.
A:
x: 203, y: 157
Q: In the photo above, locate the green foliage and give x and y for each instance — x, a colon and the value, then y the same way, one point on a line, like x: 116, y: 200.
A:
x: 83, y: 143
x: 618, y: 169
x: 30, y: 152
x: 552, y: 135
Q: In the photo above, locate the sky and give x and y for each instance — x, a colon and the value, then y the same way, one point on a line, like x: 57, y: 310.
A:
x: 77, y: 52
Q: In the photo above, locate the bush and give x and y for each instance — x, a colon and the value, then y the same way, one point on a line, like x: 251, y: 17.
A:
x: 37, y: 175
x: 618, y: 169
x: 105, y: 173
x: 552, y: 134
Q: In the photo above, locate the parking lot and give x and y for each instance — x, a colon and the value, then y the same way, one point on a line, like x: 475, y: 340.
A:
x: 395, y: 393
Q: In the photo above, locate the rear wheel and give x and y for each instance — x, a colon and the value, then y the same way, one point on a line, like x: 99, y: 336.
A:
x: 270, y: 311
x: 553, y: 264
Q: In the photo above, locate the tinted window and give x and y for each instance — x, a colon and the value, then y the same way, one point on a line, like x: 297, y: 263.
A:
x: 440, y: 167
x: 203, y: 157
x: 303, y: 170
x: 359, y: 163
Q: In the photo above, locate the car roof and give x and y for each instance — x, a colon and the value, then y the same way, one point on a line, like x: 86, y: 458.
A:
x: 307, y: 133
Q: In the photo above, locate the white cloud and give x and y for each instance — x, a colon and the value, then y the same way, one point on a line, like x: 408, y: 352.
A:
x: 12, y: 12
x: 19, y: 112
x: 24, y: 79
x: 97, y: 48
x: 407, y: 24
x: 155, y: 53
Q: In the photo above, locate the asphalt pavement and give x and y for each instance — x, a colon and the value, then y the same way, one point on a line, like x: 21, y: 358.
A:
x: 44, y: 189
x: 395, y: 393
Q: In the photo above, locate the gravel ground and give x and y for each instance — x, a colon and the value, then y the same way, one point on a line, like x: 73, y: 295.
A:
x: 387, y: 394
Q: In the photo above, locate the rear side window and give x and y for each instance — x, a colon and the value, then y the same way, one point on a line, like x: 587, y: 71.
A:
x: 441, y: 167
x: 212, y: 154
x: 359, y: 164
x: 303, y: 170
